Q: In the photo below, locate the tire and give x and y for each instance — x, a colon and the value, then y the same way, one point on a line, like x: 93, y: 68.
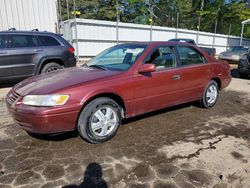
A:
x: 243, y: 75
x: 95, y: 125
x: 213, y: 89
x: 50, y: 67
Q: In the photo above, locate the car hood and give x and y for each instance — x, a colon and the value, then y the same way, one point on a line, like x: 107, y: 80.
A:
x: 230, y: 53
x: 58, y: 80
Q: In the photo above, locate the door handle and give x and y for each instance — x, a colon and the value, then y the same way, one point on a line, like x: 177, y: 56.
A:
x: 176, y: 77
x: 39, y: 50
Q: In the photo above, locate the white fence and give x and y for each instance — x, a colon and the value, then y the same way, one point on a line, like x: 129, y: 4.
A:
x: 94, y: 36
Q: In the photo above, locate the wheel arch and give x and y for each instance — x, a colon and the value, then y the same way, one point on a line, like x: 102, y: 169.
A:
x: 117, y: 98
x: 49, y: 60
x: 218, y: 81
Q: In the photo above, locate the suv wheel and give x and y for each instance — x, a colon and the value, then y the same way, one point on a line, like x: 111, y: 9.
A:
x: 210, y: 95
x: 99, y: 120
x: 50, y: 67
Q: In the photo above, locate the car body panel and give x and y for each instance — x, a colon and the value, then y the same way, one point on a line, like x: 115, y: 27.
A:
x: 140, y: 93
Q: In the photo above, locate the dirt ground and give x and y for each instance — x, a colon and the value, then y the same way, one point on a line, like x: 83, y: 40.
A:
x: 184, y: 146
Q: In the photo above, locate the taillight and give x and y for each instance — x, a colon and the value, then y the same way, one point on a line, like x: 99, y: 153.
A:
x: 71, y: 50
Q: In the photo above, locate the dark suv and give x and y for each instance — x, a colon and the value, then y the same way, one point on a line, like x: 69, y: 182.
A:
x: 27, y: 53
x: 244, y: 66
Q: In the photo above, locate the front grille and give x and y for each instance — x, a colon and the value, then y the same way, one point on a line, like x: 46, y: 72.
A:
x: 12, y: 97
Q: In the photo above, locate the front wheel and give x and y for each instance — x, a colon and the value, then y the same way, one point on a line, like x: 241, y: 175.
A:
x: 210, y: 95
x: 99, y: 120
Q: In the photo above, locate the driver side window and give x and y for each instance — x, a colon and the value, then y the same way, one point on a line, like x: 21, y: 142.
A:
x: 163, y: 57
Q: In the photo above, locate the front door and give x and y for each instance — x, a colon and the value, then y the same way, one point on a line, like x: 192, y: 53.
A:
x: 18, y: 60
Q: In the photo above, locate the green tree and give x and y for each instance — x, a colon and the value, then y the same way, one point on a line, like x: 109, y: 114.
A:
x: 168, y: 12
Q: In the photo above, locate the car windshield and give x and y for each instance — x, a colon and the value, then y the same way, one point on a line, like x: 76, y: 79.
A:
x: 238, y: 48
x: 120, y: 57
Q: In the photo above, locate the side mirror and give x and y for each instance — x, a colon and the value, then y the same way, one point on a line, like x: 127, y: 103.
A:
x: 147, y: 68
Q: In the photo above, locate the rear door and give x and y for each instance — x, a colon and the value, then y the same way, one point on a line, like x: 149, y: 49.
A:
x: 161, y: 88
x: 50, y: 46
x: 195, y: 72
x: 19, y: 59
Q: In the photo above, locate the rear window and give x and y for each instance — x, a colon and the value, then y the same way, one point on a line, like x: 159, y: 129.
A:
x: 18, y: 41
x: 3, y: 41
x: 48, y: 41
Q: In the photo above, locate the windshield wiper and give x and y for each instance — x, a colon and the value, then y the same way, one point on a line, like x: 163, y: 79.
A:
x: 85, y: 65
x: 99, y: 67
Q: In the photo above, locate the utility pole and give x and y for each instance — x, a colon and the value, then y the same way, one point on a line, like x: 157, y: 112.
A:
x: 76, y: 38
x: 151, y: 22
x: 215, y: 26
x: 229, y: 33
x: 199, y: 22
x: 117, y: 21
x: 177, y: 25
x: 67, y: 2
x: 60, y: 10
x: 151, y: 11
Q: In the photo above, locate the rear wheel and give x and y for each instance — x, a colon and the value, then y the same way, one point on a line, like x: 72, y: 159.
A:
x: 50, y: 67
x: 210, y: 95
x: 99, y: 120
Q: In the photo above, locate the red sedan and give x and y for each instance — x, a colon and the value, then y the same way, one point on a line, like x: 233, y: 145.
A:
x: 123, y: 81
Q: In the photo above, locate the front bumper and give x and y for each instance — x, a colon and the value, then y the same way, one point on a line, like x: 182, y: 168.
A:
x: 234, y: 59
x: 44, y: 120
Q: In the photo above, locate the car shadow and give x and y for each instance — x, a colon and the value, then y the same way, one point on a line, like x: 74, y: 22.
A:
x: 6, y: 85
x: 92, y: 178
x: 55, y: 136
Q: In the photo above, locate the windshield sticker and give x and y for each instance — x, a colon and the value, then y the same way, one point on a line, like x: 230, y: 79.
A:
x: 134, y: 51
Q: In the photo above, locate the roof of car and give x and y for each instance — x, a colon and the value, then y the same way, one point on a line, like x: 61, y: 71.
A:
x: 160, y: 43
x: 26, y: 32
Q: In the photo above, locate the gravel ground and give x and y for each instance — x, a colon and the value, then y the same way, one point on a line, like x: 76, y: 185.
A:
x: 184, y: 146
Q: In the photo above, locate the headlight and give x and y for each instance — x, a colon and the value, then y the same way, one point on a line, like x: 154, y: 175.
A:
x: 45, y: 100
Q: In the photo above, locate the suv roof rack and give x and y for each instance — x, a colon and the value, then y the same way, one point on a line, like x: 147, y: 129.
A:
x: 35, y: 30
x: 12, y: 29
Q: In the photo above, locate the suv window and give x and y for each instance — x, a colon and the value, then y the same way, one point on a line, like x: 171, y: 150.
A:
x: 3, y: 41
x: 189, y: 56
x: 163, y: 57
x: 48, y: 41
x: 18, y: 41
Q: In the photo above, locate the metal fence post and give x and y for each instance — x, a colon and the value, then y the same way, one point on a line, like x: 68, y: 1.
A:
x: 241, y: 35
x: 117, y: 22
x: 177, y: 25
x: 76, y: 39
x: 215, y: 31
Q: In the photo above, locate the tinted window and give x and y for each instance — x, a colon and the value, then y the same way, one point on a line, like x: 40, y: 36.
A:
x: 3, y: 41
x: 163, y: 57
x: 48, y: 41
x: 189, y: 56
x: 18, y: 41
